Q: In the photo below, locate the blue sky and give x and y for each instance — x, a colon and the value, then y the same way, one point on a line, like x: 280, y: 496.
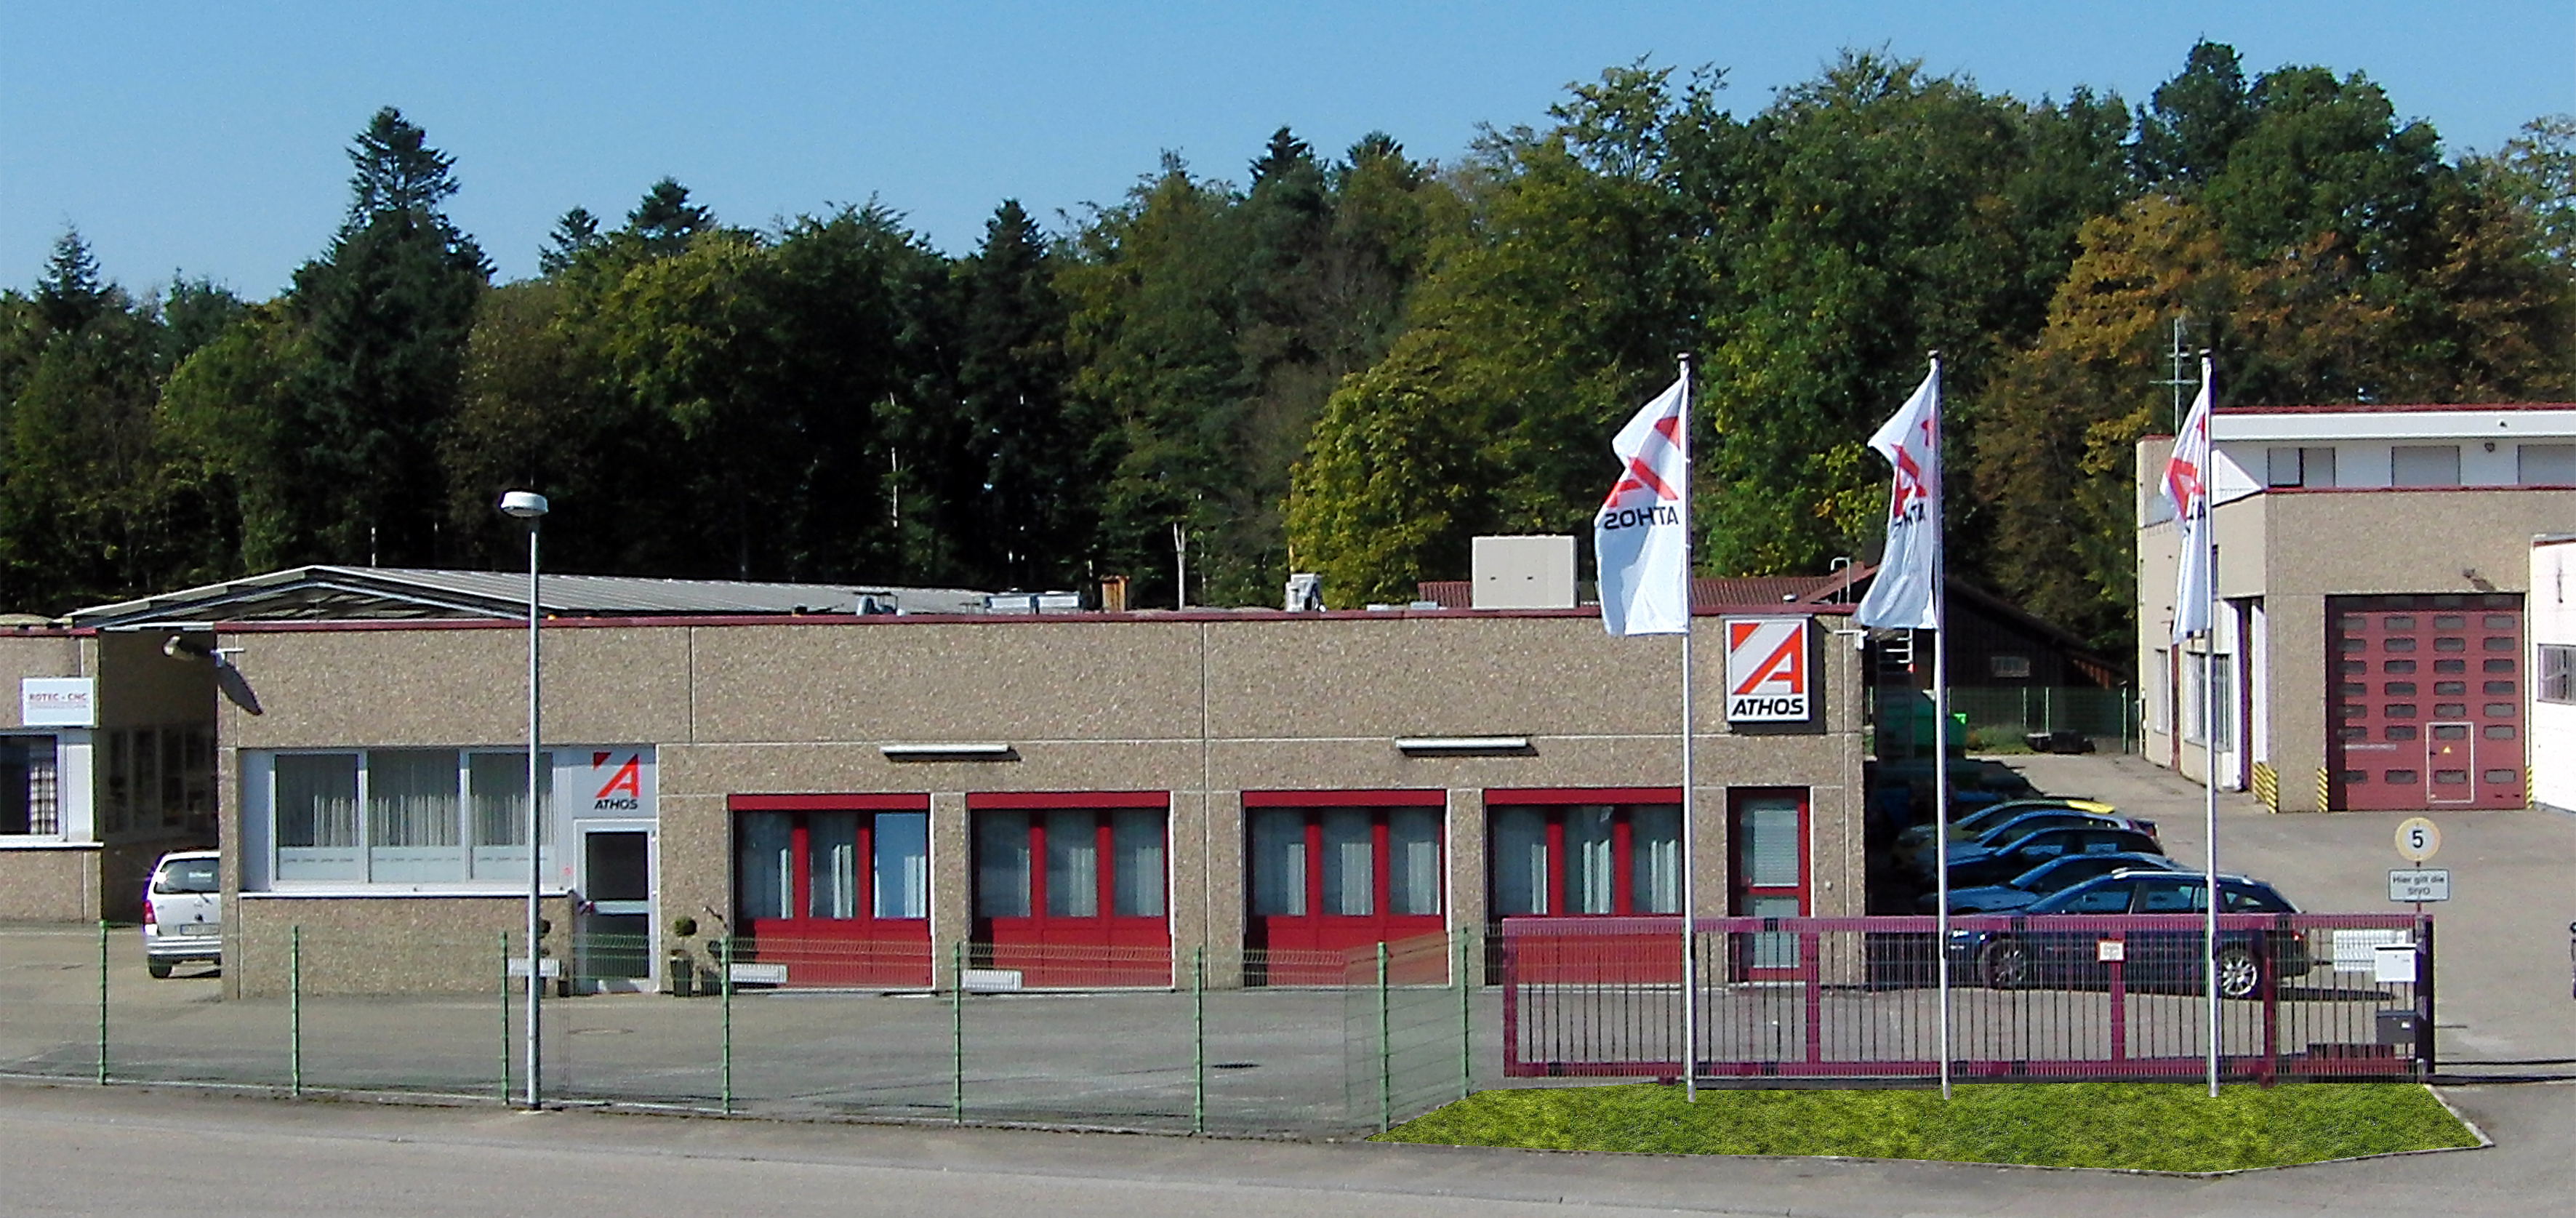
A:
x: 208, y: 138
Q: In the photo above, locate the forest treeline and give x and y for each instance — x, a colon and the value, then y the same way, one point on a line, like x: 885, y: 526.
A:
x: 1349, y: 364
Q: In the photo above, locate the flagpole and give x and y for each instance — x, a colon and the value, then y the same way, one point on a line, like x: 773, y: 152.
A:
x: 1940, y: 745
x: 2209, y: 734
x: 1690, y: 785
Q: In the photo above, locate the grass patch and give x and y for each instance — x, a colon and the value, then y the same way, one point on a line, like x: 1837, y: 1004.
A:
x: 2151, y: 1126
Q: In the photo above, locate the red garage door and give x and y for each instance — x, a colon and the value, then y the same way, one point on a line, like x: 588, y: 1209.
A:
x: 2425, y: 705
x: 1070, y: 887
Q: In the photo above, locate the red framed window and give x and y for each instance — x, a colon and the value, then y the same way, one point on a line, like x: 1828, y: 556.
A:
x: 1071, y: 889
x: 834, y: 888
x: 1326, y: 871
x: 1602, y: 851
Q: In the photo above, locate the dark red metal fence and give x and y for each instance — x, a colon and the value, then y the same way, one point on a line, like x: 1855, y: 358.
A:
x: 2064, y: 997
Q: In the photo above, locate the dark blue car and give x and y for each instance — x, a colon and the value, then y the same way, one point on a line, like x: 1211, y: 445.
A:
x: 2015, y: 955
x: 2065, y: 871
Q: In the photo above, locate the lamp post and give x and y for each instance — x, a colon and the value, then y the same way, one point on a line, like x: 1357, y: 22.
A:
x: 531, y: 506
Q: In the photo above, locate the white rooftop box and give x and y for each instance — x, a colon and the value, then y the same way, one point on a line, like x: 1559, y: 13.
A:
x: 1523, y: 572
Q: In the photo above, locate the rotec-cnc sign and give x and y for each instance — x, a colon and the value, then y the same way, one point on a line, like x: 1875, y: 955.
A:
x: 1766, y: 670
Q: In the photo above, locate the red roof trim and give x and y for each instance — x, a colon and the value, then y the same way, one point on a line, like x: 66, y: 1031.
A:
x: 996, y: 619
x: 2398, y: 408
x: 977, y: 800
x: 1501, y: 797
x: 878, y: 802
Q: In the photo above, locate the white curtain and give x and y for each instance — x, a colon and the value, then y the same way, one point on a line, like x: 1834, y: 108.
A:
x: 1002, y: 864
x: 1072, y: 864
x: 1520, y: 861
x: 1655, y: 858
x: 1413, y: 861
x: 762, y: 863
x: 1278, y: 863
x: 832, y: 866
x: 903, y: 865
x: 1136, y: 862
x: 1589, y: 867
x: 1350, y: 879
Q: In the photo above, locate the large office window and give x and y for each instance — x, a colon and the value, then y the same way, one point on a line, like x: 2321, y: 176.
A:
x: 403, y: 816
x: 1353, y: 862
x: 1069, y: 863
x: 1583, y: 857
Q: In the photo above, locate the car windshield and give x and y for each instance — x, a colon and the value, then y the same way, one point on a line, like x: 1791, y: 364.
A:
x: 186, y: 876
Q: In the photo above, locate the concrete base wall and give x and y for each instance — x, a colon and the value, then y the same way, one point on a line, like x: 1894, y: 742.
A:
x: 50, y: 885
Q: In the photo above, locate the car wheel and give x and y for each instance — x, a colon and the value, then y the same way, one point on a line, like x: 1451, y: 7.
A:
x: 2004, y: 965
x: 160, y: 969
x: 2240, y: 975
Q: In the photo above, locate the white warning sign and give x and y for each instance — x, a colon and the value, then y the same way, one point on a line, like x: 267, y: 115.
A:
x: 1766, y: 669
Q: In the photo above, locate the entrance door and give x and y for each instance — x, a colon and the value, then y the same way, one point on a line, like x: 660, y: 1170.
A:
x: 1770, y: 875
x: 615, y: 933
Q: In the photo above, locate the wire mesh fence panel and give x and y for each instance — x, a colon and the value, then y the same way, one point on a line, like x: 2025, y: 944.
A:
x: 1273, y: 1048
x: 50, y: 999
x: 816, y: 1028
x: 1406, y: 1016
x: 2006, y: 716
x: 181, y: 1029
x: 389, y: 1009
x: 1040, y: 1048
x: 620, y: 1038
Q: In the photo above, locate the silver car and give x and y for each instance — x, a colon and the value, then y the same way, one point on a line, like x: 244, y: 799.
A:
x: 183, y: 912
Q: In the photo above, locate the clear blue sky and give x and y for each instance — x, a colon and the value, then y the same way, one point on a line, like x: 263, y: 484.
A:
x: 209, y: 138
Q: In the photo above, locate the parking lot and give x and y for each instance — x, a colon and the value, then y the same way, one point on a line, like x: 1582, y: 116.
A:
x: 2502, y: 941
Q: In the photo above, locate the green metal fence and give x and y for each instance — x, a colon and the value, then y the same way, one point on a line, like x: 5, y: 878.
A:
x: 1220, y: 1041
x: 2003, y: 718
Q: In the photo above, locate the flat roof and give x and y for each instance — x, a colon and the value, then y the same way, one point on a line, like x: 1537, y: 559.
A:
x: 334, y: 593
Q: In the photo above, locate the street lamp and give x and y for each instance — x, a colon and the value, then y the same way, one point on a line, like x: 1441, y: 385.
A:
x: 531, y: 506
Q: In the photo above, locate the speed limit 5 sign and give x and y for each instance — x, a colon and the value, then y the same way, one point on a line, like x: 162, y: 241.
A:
x: 2418, y: 839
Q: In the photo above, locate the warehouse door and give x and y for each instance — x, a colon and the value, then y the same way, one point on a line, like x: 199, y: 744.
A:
x: 2426, y: 709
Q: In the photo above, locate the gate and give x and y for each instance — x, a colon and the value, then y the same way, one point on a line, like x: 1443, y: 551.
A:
x: 2426, y: 702
x: 2058, y: 997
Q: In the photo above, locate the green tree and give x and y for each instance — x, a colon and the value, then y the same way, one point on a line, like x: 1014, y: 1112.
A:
x: 1032, y: 449
x: 387, y: 310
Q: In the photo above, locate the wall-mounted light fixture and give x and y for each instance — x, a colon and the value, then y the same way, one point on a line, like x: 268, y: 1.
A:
x: 1456, y: 746
x: 949, y: 751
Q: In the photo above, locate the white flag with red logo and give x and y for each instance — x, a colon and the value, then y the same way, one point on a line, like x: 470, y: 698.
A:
x: 1903, y: 594
x: 1641, y: 539
x: 2186, y: 487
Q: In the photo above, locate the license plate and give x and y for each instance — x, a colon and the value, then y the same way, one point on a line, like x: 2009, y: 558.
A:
x: 197, y: 929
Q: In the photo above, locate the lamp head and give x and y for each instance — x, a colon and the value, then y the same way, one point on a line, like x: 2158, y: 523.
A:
x: 525, y: 505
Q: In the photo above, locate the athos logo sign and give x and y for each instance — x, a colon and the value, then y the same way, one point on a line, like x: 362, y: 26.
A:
x: 1766, y: 670
x: 616, y: 782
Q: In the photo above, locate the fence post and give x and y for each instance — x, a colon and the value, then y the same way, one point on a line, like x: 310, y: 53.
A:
x: 957, y: 1039
x: 295, y: 1011
x: 1198, y: 1039
x: 1466, y: 1017
x: 102, y: 1002
x: 1385, y: 1050
x: 724, y: 1047
x: 504, y: 937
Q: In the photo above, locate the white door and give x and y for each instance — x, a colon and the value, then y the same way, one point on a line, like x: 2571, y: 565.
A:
x: 616, y: 939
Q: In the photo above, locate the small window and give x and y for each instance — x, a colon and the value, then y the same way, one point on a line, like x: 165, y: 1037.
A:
x: 2496, y: 666
x: 2400, y: 710
x: 2352, y: 666
x: 2399, y: 623
x: 30, y: 787
x: 2011, y: 667
x: 2459, y: 644
x: 2545, y: 464
x: 2356, y: 777
x: 2425, y: 465
x: 2281, y: 467
x: 2500, y: 710
x: 2449, y: 710
x: 2451, y: 621
x: 2397, y: 689
x: 2449, y: 688
x: 2450, y: 665
x: 2401, y: 777
x: 2501, y: 778
x: 2501, y: 642
x: 2399, y: 731
x: 2450, y: 731
x: 2398, y: 666
x: 2502, y: 621
x: 2397, y: 644
x: 2451, y: 778
x: 2352, y: 731
x: 2499, y: 731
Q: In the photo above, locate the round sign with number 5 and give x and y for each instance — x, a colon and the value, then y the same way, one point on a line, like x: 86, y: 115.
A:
x: 2418, y: 839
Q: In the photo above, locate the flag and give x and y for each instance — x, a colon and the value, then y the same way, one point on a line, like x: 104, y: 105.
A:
x: 2186, y: 488
x: 1905, y: 592
x: 1641, y: 539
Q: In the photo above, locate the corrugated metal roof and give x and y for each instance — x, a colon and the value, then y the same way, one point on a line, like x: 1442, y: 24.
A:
x: 327, y: 593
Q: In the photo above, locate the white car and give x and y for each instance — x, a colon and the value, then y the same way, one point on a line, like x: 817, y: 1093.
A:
x: 183, y: 912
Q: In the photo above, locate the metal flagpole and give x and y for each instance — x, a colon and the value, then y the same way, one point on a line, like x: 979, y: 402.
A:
x: 1690, y: 785
x: 2209, y: 724
x: 1940, y: 736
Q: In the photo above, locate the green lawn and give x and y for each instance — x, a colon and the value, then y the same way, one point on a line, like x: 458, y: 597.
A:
x: 2154, y: 1126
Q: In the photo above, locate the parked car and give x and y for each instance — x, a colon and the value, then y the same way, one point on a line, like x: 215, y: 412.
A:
x: 2023, y: 825
x: 1966, y: 826
x: 2015, y: 955
x: 2055, y: 875
x: 2001, y: 860
x: 183, y: 912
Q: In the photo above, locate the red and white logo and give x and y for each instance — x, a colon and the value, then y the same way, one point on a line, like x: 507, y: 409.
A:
x: 1766, y: 670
